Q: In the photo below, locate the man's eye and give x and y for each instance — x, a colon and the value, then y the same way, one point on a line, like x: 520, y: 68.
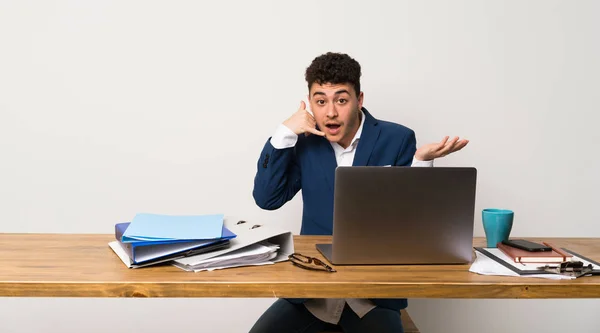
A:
x: 320, y: 102
x: 342, y: 101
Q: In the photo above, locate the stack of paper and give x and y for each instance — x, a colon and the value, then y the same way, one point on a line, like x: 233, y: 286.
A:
x: 492, y: 261
x: 487, y: 266
x: 261, y: 253
x: 151, y: 239
x: 254, y: 244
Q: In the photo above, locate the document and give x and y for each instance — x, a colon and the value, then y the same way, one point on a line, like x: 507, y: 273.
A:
x: 261, y: 253
x: 143, y: 251
x: 155, y: 227
x: 492, y: 261
x: 486, y: 266
x: 247, y: 234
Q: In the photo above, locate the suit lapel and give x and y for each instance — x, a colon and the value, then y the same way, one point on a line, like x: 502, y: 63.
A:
x: 368, y: 138
x: 326, y: 159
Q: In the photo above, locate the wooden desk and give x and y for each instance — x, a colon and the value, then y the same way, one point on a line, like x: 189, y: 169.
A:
x: 59, y: 265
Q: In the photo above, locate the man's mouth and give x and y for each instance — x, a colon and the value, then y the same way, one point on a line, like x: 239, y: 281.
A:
x: 333, y: 129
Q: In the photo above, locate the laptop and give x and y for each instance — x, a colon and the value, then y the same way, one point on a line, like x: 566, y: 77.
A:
x: 402, y: 215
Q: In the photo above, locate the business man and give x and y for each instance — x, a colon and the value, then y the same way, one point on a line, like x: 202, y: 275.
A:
x: 303, y: 154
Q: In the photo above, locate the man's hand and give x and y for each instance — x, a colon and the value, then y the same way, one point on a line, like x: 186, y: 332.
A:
x: 435, y: 150
x: 302, y: 122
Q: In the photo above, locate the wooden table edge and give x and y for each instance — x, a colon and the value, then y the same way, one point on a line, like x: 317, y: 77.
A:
x: 293, y: 290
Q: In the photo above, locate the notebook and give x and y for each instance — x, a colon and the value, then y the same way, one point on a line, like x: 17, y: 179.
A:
x: 521, y: 256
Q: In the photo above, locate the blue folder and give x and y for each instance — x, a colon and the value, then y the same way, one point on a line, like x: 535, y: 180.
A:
x: 157, y: 227
x: 147, y: 252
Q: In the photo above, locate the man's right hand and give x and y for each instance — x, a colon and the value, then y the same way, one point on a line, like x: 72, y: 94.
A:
x: 302, y: 122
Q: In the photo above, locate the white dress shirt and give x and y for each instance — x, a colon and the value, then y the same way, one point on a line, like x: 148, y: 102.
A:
x: 330, y: 309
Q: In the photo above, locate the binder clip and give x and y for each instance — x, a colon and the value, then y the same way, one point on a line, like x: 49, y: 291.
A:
x: 569, y: 268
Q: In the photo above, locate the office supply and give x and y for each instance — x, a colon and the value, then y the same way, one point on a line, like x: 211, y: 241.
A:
x: 402, y: 215
x: 162, y: 256
x: 526, y: 245
x: 312, y: 263
x: 145, y: 253
x: 485, y: 265
x: 525, y: 269
x: 571, y: 268
x: 120, y: 229
x: 247, y: 236
x: 252, y: 255
x: 556, y: 255
x: 156, y: 227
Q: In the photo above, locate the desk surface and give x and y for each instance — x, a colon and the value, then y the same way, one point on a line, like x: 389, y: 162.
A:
x: 63, y: 265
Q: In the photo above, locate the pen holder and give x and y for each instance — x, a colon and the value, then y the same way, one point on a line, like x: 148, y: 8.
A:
x: 497, y: 224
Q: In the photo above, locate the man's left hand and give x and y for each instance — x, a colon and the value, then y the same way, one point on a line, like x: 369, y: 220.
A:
x: 436, y: 150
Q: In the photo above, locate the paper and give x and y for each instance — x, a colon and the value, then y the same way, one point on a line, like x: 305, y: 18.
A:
x: 155, y: 227
x: 222, y: 267
x: 261, y: 253
x: 485, y: 265
x: 247, y: 234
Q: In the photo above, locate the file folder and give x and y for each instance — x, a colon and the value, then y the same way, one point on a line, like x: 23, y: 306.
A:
x: 151, y: 252
x: 247, y: 235
x: 157, y: 227
x: 118, y: 248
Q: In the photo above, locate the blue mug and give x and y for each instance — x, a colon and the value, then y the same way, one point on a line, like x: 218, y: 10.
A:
x: 497, y: 224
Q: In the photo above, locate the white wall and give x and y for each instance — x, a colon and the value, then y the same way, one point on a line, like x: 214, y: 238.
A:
x: 110, y: 108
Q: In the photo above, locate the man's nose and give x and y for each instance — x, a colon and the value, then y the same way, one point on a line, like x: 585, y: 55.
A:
x: 331, y: 111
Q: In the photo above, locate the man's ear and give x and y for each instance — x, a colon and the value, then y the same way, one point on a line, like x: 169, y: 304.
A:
x: 360, y: 100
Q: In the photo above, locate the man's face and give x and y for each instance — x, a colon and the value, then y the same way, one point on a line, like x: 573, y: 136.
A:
x: 336, y: 109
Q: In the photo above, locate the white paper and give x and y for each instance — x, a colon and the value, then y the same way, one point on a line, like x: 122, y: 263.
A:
x: 261, y: 253
x: 247, y: 234
x: 487, y: 266
x: 189, y: 269
x: 247, y: 252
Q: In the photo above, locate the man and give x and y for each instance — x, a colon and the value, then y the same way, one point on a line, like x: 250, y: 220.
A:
x: 303, y: 154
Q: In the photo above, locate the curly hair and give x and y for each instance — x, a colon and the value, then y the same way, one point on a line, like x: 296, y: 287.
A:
x: 334, y: 68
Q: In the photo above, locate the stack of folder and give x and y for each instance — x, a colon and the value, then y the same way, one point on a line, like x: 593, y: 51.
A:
x: 151, y: 239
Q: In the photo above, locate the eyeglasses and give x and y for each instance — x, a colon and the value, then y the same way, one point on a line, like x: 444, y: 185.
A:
x: 312, y: 263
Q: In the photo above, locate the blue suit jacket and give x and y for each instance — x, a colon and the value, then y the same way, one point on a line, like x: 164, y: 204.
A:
x: 310, y: 165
